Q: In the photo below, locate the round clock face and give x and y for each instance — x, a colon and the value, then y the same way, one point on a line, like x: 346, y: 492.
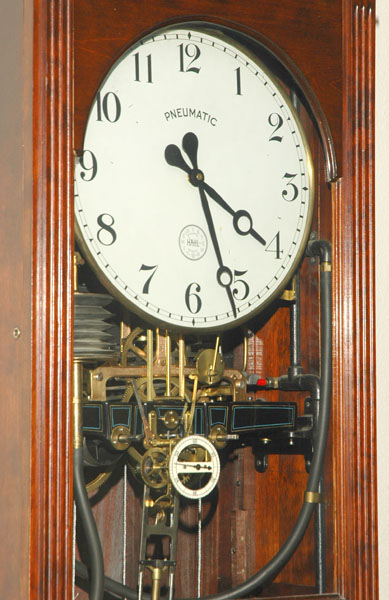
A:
x: 194, y: 467
x: 194, y: 191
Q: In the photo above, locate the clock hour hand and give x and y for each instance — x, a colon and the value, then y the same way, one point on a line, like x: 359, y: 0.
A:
x: 242, y: 220
x: 173, y: 157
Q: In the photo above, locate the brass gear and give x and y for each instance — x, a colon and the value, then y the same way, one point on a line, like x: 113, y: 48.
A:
x: 154, y: 468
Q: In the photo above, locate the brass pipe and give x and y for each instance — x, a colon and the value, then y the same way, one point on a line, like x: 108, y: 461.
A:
x: 181, y: 367
x: 77, y: 404
x: 215, y: 353
x: 157, y: 357
x: 77, y: 260
x: 156, y: 583
x: 168, y: 352
x: 245, y: 351
x: 193, y: 405
x: 75, y: 274
x: 149, y: 372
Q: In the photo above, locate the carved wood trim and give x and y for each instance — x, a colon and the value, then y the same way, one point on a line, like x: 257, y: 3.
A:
x: 51, y: 464
x: 356, y: 574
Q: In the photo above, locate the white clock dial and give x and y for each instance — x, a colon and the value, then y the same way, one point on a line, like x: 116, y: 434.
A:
x: 194, y: 467
x: 194, y: 191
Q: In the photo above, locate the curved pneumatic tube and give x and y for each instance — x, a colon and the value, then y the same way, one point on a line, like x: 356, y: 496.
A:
x: 272, y: 568
x: 96, y: 575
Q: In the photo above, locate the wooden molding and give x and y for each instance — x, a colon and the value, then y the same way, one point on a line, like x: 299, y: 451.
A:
x: 51, y: 434
x: 354, y: 349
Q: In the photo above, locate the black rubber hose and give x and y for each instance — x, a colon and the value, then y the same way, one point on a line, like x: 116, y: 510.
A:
x: 273, y: 567
x: 110, y: 585
x: 96, y: 578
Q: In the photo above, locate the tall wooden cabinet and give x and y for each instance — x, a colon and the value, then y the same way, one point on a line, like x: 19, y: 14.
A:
x: 54, y: 54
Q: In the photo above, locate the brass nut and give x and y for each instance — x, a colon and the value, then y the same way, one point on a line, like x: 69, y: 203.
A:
x: 218, y: 436
x: 119, y: 437
x: 171, y: 419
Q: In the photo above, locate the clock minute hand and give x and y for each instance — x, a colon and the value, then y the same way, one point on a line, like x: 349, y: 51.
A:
x: 239, y: 216
x: 174, y: 158
x: 223, y: 274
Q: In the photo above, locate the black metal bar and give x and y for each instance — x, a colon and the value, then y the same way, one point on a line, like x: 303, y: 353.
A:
x: 295, y: 367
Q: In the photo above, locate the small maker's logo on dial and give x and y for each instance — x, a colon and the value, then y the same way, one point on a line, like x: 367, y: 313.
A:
x: 193, y: 242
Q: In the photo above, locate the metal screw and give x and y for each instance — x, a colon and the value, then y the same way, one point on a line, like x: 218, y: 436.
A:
x: 98, y: 377
x: 237, y: 483
x: 16, y: 333
x: 233, y: 550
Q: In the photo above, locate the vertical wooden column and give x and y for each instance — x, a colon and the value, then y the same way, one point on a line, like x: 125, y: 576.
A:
x: 354, y: 346
x: 51, y: 447
x: 15, y: 278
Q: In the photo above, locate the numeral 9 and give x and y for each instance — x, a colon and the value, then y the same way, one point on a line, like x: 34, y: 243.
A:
x: 88, y: 163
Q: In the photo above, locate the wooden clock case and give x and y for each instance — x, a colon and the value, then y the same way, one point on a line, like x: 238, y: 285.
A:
x: 64, y: 49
